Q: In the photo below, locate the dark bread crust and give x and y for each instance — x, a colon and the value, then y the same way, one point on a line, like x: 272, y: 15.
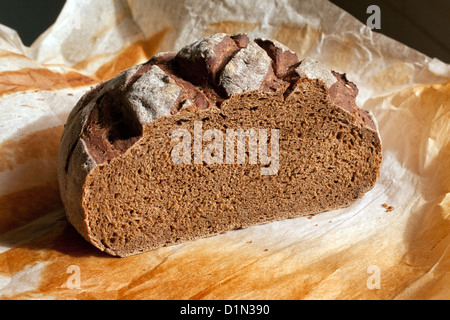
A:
x: 284, y: 60
x: 110, y: 122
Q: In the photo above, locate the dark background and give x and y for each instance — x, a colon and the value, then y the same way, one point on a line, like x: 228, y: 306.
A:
x: 423, y: 25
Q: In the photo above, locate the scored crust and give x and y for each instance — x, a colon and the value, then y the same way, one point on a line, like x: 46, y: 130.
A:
x: 124, y: 193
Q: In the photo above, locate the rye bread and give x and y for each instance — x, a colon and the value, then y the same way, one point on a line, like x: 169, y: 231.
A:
x: 124, y: 192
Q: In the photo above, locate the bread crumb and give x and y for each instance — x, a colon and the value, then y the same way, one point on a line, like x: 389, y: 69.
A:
x: 250, y: 241
x: 387, y: 207
x: 266, y: 249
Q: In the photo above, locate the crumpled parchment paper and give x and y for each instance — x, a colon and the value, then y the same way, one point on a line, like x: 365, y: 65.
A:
x: 394, y: 243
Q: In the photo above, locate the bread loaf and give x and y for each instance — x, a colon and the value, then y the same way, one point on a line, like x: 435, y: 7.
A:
x: 226, y: 133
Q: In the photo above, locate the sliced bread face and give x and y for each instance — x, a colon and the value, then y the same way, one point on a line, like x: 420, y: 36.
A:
x: 227, y: 133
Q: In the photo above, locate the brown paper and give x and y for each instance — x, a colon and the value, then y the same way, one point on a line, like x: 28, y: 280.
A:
x: 394, y: 243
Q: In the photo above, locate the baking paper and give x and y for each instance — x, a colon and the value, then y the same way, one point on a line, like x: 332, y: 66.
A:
x: 394, y: 243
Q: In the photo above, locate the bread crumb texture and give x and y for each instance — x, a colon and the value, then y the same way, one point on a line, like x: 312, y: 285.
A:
x: 125, y: 194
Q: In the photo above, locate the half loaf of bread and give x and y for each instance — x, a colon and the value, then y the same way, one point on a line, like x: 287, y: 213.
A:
x: 226, y: 133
